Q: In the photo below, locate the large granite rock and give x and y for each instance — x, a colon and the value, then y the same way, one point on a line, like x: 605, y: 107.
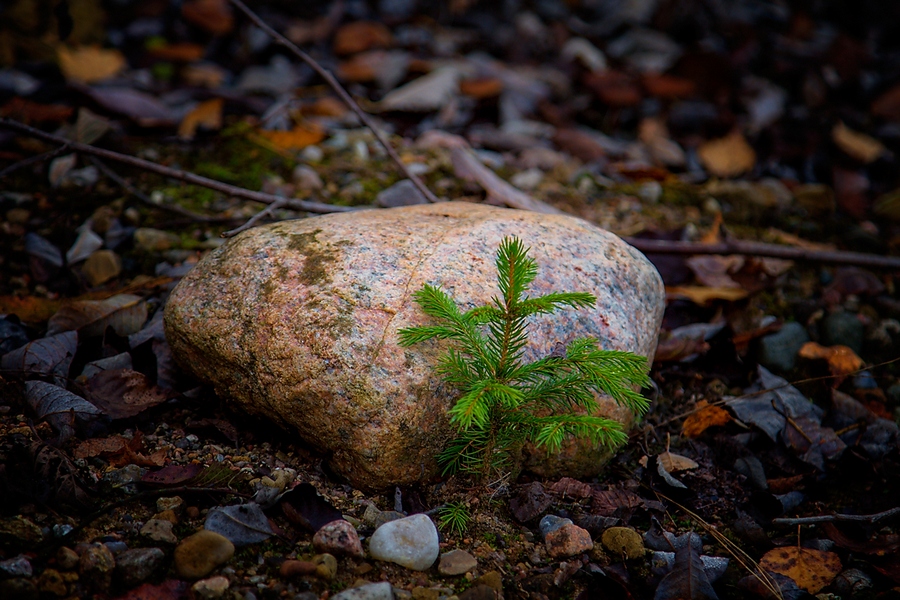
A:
x: 298, y: 320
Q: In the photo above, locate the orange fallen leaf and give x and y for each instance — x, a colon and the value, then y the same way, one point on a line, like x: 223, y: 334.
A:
x: 206, y: 114
x: 486, y: 87
x: 361, y: 35
x: 842, y: 361
x: 299, y: 137
x: 30, y: 112
x: 810, y: 569
x: 704, y: 295
x: 30, y: 309
x: 214, y: 16
x: 703, y: 418
x: 181, y: 52
x: 728, y: 156
x: 860, y: 146
x: 87, y: 64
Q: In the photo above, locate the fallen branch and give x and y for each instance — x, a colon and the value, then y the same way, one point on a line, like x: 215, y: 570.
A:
x: 31, y: 160
x: 252, y: 221
x: 836, y: 257
x: 191, y: 178
x: 147, y: 201
x: 341, y: 92
x: 874, y: 518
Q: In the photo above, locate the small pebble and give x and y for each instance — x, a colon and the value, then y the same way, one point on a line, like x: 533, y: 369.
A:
x: 845, y: 329
x: 306, y: 178
x: 96, y: 567
x: 135, y: 566
x: 173, y: 503
x: 492, y: 579
x: 778, y: 351
x: 411, y: 542
x: 101, y: 266
x: 456, y: 562
x: 528, y: 179
x: 18, y: 588
x: 312, y: 154
x: 326, y: 566
x: 197, y: 555
x: 19, y: 531
x: 126, y: 475
x: 159, y: 530
x: 370, y: 591
x: 338, y: 538
x: 479, y: 592
x: 552, y: 522
x: 402, y: 193
x: 154, y: 240
x: 66, y: 558
x: 375, y: 518
x: 297, y: 568
x: 51, y: 582
x: 210, y: 589
x: 19, y: 566
x: 568, y: 540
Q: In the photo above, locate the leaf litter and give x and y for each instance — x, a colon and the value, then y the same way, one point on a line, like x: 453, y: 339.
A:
x: 632, y: 120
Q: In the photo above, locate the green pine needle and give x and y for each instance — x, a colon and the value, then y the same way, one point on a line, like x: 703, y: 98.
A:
x: 506, y: 403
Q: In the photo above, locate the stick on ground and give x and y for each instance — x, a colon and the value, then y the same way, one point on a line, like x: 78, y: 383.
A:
x: 342, y: 94
x: 231, y: 190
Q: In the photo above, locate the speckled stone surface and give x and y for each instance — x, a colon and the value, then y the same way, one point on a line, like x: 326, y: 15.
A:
x: 298, y: 320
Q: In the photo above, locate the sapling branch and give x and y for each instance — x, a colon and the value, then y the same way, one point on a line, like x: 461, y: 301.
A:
x: 505, y: 403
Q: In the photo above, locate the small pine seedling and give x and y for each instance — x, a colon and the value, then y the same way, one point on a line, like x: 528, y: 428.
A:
x: 506, y: 403
x: 454, y: 517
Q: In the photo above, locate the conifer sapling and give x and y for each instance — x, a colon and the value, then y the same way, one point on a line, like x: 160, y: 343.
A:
x: 504, y: 402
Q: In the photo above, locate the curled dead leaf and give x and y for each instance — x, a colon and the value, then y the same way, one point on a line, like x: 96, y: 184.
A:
x: 842, y: 361
x: 703, y: 418
x: 860, y: 146
x: 297, y: 138
x: 705, y: 295
x: 728, y: 156
x: 88, y: 64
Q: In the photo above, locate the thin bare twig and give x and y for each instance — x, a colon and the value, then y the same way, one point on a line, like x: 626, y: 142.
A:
x: 146, y: 200
x: 33, y: 160
x: 874, y: 518
x: 341, y: 92
x: 836, y: 257
x: 191, y: 178
x: 270, y: 209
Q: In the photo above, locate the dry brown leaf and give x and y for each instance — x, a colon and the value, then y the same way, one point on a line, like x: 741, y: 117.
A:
x: 810, y: 569
x: 27, y: 111
x: 671, y: 348
x: 842, y: 361
x: 704, y: 295
x: 206, y: 114
x: 713, y: 270
x: 728, y: 156
x: 30, y: 309
x: 299, y: 137
x: 485, y: 87
x: 572, y: 488
x: 87, y: 64
x: 183, y: 52
x: 671, y: 462
x: 859, y: 146
x: 703, y: 418
x: 361, y: 35
x: 214, y: 16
